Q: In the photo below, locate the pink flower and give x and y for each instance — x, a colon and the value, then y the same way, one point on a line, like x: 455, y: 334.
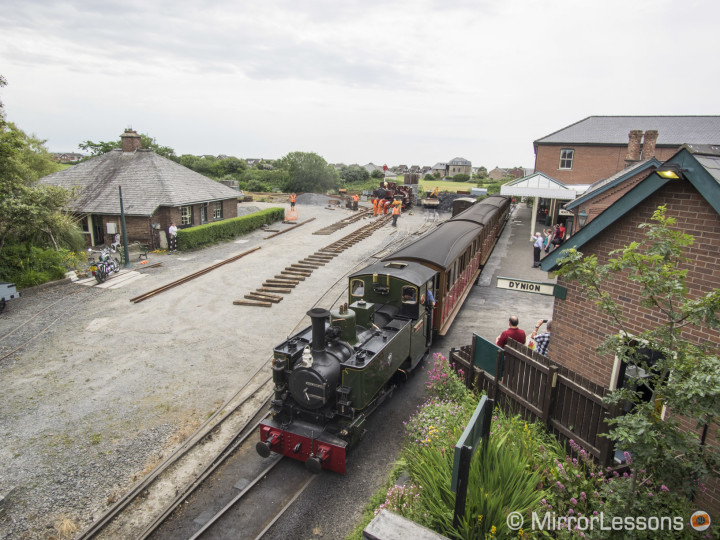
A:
x: 664, y: 488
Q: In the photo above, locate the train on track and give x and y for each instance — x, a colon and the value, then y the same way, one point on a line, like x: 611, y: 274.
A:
x: 332, y: 375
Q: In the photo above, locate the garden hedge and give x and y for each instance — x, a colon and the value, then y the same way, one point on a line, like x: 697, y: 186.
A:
x: 211, y: 233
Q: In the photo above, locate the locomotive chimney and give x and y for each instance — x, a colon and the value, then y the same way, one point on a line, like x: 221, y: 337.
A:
x: 318, y: 317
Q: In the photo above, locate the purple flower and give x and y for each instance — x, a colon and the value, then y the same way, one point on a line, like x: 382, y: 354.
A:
x: 664, y: 488
x: 573, y: 501
x: 583, y: 496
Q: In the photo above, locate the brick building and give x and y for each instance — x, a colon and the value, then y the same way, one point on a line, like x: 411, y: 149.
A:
x: 156, y: 192
x: 598, y: 147
x: 694, y: 201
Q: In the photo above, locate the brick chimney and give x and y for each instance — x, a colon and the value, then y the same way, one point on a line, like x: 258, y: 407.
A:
x: 130, y: 141
x: 648, y: 150
x: 634, y: 145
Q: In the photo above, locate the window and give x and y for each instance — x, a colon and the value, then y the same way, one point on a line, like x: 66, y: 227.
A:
x: 409, y: 295
x: 203, y: 213
x: 217, y: 211
x: 566, y: 158
x: 357, y: 287
x: 186, y: 215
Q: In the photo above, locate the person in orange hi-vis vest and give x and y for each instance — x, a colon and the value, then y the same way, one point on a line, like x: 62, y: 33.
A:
x: 292, y: 201
x: 375, y: 207
x: 355, y: 199
x: 395, y: 214
x: 386, y: 203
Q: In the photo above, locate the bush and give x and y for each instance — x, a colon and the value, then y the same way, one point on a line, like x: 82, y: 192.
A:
x: 211, y: 233
x: 27, y: 265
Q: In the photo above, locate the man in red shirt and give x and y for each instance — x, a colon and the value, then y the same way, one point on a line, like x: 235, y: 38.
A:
x: 512, y: 333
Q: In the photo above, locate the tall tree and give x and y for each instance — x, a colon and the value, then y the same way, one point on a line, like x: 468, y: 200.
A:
x: 26, y: 207
x: 354, y: 173
x: 309, y: 172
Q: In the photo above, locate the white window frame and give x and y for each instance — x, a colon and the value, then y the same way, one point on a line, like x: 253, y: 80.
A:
x: 217, y: 211
x: 185, y: 215
x: 567, y: 156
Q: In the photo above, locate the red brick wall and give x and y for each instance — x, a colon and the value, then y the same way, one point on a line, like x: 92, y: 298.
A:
x: 578, y: 328
x: 590, y: 163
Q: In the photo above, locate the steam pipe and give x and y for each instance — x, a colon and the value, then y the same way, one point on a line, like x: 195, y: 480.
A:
x: 318, y: 316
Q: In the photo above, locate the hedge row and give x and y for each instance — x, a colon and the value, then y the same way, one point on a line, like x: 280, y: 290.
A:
x: 211, y: 233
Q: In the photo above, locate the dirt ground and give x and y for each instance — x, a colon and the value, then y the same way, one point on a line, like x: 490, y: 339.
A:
x: 107, y: 387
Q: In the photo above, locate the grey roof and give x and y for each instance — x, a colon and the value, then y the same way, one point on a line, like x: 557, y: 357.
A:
x: 672, y: 130
x: 148, y: 181
x: 459, y: 161
x: 482, y: 213
x: 441, y: 246
x: 414, y: 273
x: 618, y: 178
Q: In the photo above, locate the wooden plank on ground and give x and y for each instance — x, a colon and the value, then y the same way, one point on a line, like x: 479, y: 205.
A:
x: 246, y: 303
x: 296, y: 278
x: 279, y: 290
x: 269, y: 296
x: 260, y: 298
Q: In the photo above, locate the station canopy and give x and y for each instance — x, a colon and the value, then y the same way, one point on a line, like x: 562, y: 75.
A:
x: 541, y: 185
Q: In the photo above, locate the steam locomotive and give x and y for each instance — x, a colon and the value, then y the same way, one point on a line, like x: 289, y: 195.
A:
x: 332, y: 375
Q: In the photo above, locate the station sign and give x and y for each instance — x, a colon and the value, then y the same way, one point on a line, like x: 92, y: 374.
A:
x: 534, y: 287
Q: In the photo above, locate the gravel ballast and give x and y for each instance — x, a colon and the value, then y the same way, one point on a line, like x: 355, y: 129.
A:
x: 97, y: 390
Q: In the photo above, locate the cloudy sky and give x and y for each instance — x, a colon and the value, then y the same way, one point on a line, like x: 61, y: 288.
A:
x: 356, y: 81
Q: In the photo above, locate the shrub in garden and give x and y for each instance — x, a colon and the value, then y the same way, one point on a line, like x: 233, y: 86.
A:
x: 226, y: 229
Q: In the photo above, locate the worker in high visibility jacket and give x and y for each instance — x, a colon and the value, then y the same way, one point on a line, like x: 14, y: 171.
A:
x: 375, y: 206
x: 292, y: 201
x: 395, y: 214
x: 355, y: 199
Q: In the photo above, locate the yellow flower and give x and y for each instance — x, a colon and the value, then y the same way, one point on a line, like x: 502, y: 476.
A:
x: 493, y: 529
x: 480, y: 519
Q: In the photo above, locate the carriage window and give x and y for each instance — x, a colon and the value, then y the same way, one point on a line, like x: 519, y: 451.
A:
x: 409, y: 295
x: 357, y: 287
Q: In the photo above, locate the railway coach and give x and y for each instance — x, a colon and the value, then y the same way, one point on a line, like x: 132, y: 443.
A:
x: 457, y: 250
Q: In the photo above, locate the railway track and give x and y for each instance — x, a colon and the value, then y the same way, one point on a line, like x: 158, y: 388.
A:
x: 215, y: 484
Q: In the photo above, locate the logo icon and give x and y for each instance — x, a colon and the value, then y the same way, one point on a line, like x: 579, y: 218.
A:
x: 700, y: 521
x: 515, y: 520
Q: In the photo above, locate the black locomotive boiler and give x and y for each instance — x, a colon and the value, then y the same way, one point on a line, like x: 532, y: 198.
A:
x: 332, y: 375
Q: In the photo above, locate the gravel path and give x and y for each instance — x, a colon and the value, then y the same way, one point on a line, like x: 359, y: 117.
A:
x: 97, y: 390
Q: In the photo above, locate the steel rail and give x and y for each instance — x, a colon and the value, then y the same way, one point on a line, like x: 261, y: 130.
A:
x: 190, y: 277
x: 203, y: 431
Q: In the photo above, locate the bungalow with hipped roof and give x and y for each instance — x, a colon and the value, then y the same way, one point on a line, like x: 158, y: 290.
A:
x: 156, y: 192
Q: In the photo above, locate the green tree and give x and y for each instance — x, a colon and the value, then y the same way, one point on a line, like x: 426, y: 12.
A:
x: 461, y: 178
x: 25, y: 206
x: 308, y: 172
x: 481, y: 173
x: 683, y: 375
x: 377, y: 174
x: 148, y: 143
x: 353, y: 173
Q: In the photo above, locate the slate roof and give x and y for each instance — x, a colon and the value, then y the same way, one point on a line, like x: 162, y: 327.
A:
x: 148, y: 181
x: 460, y: 162
x: 672, y: 130
x: 618, y: 178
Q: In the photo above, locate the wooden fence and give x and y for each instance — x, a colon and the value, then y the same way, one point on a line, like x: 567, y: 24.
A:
x: 531, y: 385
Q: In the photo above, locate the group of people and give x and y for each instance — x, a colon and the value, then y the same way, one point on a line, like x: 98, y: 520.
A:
x: 547, y: 240
x: 381, y: 206
x: 537, y: 341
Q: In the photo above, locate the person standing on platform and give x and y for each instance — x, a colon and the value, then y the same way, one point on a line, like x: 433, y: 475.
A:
x: 513, y: 332
x: 542, y: 340
x: 172, y: 237
x: 537, y: 249
x: 395, y: 214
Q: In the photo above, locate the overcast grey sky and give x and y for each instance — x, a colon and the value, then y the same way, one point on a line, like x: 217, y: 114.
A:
x: 399, y: 81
